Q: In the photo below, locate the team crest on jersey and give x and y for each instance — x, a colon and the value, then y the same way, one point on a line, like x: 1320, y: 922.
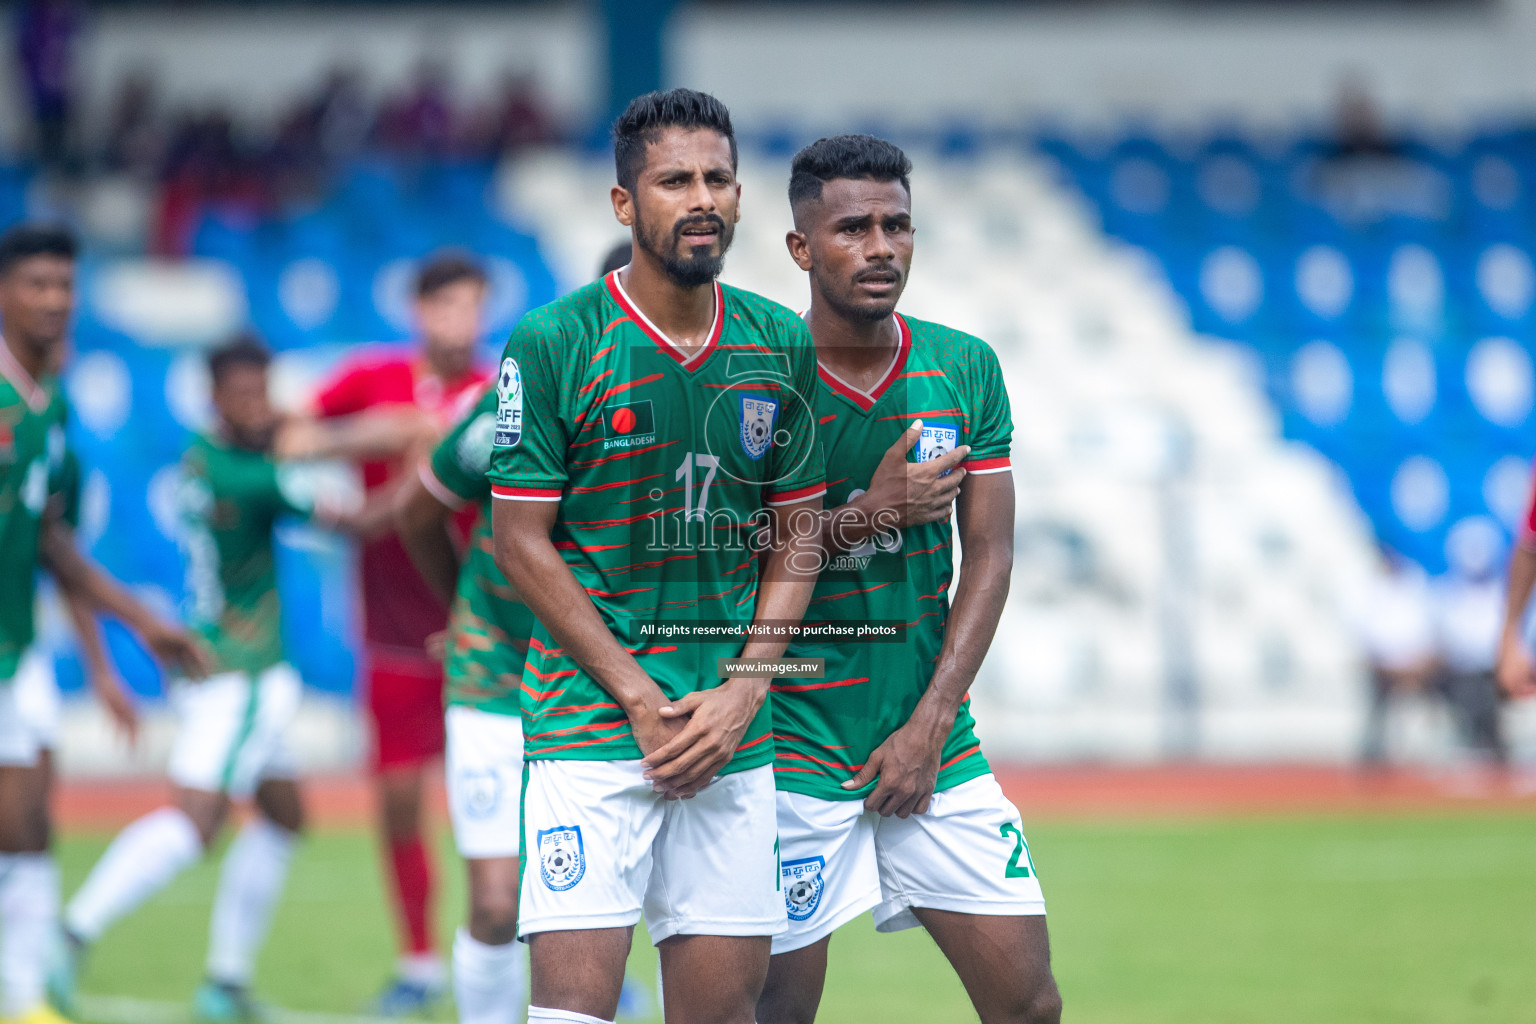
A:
x: 802, y: 886
x: 938, y: 440
x: 509, y: 404
x: 480, y: 791
x: 562, y: 860
x: 757, y: 415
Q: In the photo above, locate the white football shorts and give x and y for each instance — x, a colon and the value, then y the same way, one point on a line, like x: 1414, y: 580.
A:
x: 232, y: 732
x: 18, y: 741
x: 966, y: 854
x: 484, y: 769
x: 602, y: 847
x: 37, y: 697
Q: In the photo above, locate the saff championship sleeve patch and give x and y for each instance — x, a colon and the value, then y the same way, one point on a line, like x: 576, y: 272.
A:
x: 509, y: 404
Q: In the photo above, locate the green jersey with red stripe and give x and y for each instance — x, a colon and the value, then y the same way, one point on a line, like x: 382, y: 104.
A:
x: 664, y: 461
x: 825, y: 729
x: 32, y: 451
x: 489, y: 626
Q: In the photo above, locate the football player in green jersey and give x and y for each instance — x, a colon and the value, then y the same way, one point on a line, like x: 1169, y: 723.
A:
x: 231, y: 743
x: 653, y: 437
x: 488, y: 631
x: 37, y: 270
x: 885, y: 800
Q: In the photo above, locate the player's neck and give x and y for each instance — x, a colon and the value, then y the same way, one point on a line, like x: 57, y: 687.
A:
x: 34, y: 363
x: 852, y: 348
x: 685, y: 315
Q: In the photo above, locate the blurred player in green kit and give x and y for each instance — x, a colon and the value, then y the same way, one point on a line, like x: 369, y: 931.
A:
x: 37, y: 273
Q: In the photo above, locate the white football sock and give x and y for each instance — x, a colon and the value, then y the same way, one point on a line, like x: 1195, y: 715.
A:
x: 143, y: 858
x: 421, y: 969
x: 29, y: 918
x: 489, y: 982
x: 250, y: 883
x: 544, y: 1015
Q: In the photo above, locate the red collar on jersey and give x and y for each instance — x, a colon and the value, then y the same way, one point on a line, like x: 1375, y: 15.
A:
x: 688, y: 360
x: 866, y: 400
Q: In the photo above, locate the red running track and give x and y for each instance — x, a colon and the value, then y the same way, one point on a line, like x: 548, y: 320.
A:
x: 1069, y: 792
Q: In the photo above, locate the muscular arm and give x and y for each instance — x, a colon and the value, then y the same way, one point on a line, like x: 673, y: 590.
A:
x: 907, y: 763
x: 382, y: 433
x: 80, y: 578
x: 421, y: 521
x: 527, y: 557
x: 99, y: 671
x: 718, y: 717
x: 1515, y: 670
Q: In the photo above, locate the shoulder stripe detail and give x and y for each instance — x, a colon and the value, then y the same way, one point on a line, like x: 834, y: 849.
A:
x: 525, y: 493
x: 437, y: 488
x: 688, y: 359
x: 866, y: 400
x: 801, y: 494
x: 30, y: 390
x: 1000, y: 464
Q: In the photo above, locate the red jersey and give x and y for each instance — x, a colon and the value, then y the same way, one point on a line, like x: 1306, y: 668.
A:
x: 399, y: 610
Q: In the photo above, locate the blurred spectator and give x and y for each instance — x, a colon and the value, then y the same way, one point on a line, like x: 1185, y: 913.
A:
x: 420, y: 122
x: 45, y: 37
x: 205, y: 166
x: 135, y: 133
x: 1398, y: 634
x: 1469, y: 616
x: 342, y: 115
x: 515, y: 118
x: 1368, y: 174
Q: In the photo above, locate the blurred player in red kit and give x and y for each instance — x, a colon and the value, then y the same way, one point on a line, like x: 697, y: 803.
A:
x: 402, y: 616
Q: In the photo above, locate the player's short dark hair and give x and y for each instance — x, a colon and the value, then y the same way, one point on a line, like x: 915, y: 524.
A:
x: 618, y: 257
x: 24, y: 241
x: 243, y: 349
x: 648, y: 116
x: 859, y: 157
x: 445, y: 269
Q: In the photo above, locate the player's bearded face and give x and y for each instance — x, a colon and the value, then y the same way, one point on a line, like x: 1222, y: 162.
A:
x: 688, y: 265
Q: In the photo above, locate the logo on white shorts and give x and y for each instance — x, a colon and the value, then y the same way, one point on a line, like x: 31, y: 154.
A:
x: 481, y: 792
x: 562, y: 861
x: 802, y: 886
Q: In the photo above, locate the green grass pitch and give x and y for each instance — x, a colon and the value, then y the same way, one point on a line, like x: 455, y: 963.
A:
x: 1398, y: 919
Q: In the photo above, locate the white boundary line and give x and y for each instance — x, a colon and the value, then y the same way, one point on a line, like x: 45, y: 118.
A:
x: 130, y: 1010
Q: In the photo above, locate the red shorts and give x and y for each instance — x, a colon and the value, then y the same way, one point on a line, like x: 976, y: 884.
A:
x: 405, y: 705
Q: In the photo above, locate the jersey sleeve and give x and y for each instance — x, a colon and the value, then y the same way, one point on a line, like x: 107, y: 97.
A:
x: 991, y: 430
x: 798, y: 472
x: 345, y: 393
x: 529, y: 443
x: 1528, y: 532
x: 456, y: 472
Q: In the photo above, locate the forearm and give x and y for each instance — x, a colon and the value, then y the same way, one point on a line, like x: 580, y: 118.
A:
x: 1522, y: 577
x: 88, y: 633
x: 360, y: 437
x: 533, y: 566
x: 433, y: 553
x: 978, y: 604
x: 81, y: 580
x: 847, y: 526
